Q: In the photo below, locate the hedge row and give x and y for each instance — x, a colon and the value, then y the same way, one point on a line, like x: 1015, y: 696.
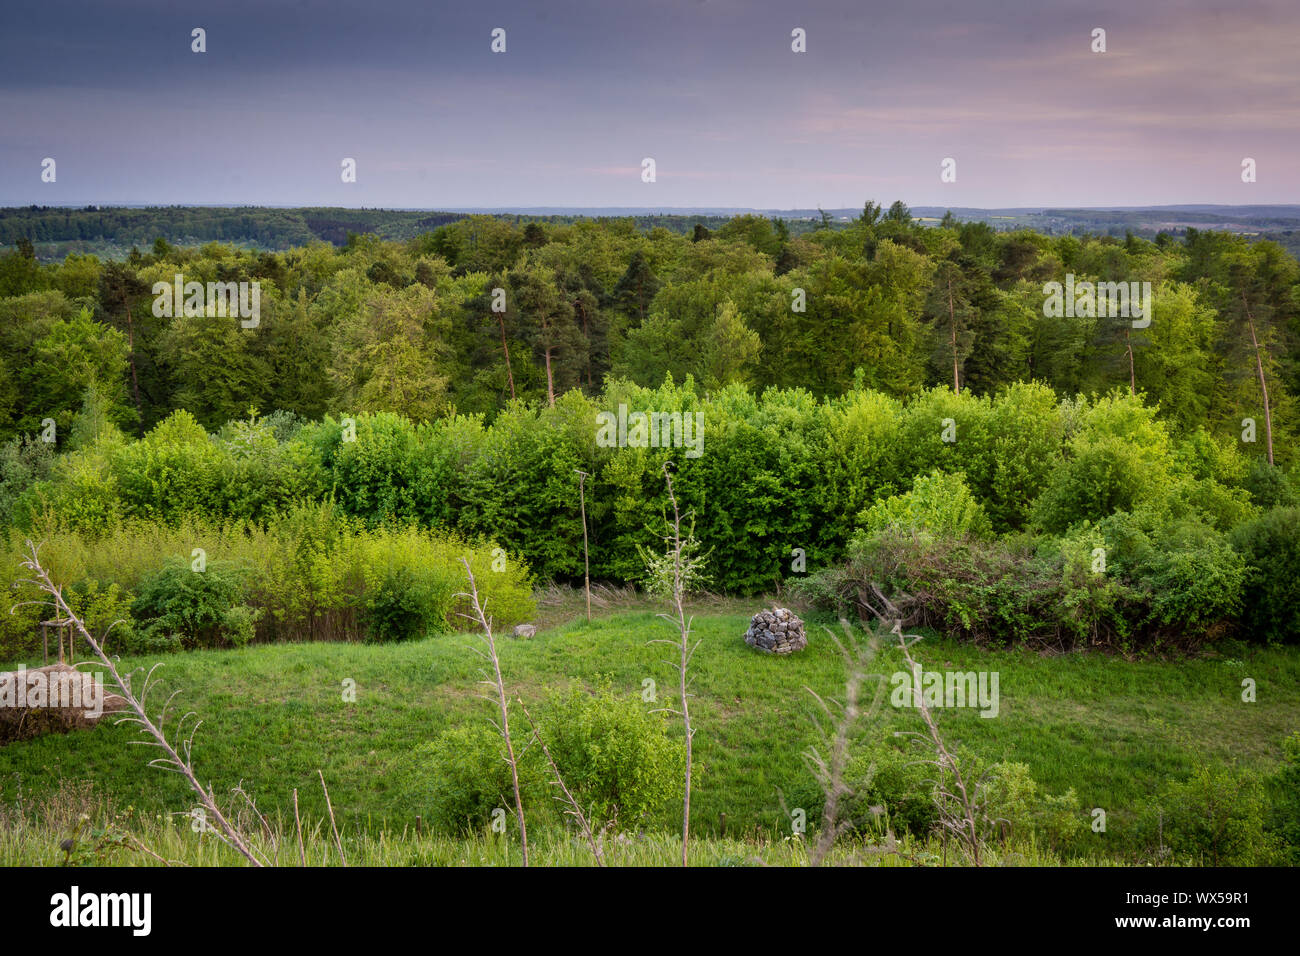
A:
x: 780, y: 484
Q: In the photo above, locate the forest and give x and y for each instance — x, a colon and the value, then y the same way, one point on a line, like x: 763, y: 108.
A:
x: 410, y: 326
x: 868, y: 397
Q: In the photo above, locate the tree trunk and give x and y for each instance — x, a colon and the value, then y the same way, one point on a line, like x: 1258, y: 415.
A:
x: 586, y: 560
x: 506, y: 349
x: 1263, y: 385
x: 1132, y: 376
x: 550, y: 381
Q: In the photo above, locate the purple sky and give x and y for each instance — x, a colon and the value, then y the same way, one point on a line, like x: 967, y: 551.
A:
x: 709, y: 88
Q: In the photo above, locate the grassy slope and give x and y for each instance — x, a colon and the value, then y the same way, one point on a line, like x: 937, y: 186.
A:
x: 1113, y: 730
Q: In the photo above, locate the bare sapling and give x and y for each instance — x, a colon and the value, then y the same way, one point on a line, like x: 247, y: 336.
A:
x: 503, y: 728
x: 297, y: 822
x: 837, y: 726
x: 572, y: 807
x: 333, y: 826
x: 1259, y: 370
x: 957, y: 800
x: 678, y: 570
x: 177, y: 758
x: 586, y: 558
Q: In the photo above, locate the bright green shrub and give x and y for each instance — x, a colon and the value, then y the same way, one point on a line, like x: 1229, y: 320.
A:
x: 469, y: 778
x: 614, y: 755
x: 373, y: 475
x: 1195, y: 578
x: 257, y: 480
x: 521, y: 490
x: 924, y: 430
x: 938, y: 503
x: 1284, y: 787
x: 80, y: 495
x: 313, y: 573
x: 750, y: 488
x: 170, y: 473
x: 1191, y: 577
x: 23, y: 462
x: 106, y: 612
x: 1093, y: 606
x: 1119, y: 458
x: 857, y: 463
x: 891, y: 786
x: 1025, y: 433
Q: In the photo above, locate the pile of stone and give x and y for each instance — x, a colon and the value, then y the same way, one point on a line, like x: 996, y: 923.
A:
x: 777, y: 631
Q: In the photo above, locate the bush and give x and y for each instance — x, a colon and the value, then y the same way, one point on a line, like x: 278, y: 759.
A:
x: 23, y: 462
x: 1270, y: 549
x: 311, y: 573
x: 1215, y: 818
x: 181, y: 607
x: 469, y: 778
x: 891, y: 788
x: 397, y: 609
x: 1162, y: 579
x: 1119, y: 458
x: 80, y: 495
x: 938, y: 503
x: 1016, y: 807
x: 615, y: 756
x: 779, y: 471
x: 1270, y: 487
x: 1285, y: 787
x: 1190, y: 576
x: 985, y: 591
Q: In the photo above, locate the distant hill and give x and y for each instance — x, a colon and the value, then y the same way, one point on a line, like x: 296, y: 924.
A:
x: 112, y: 231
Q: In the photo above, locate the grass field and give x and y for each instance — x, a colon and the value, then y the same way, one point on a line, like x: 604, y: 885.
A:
x: 273, y: 715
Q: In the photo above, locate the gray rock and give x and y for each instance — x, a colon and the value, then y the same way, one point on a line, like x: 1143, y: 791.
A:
x: 778, y: 631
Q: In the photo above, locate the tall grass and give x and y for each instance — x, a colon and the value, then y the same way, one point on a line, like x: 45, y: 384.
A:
x: 76, y: 828
x: 312, y: 572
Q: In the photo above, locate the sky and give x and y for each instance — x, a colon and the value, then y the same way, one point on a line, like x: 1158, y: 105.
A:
x: 709, y: 89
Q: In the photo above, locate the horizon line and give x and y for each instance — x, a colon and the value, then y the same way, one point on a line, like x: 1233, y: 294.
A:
x: 667, y: 210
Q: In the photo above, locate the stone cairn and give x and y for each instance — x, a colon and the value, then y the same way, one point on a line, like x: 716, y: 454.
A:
x: 777, y: 631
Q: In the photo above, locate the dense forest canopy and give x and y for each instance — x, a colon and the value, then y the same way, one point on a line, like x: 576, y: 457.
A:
x: 409, y: 326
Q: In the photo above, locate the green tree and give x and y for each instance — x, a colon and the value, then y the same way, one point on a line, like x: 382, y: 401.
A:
x: 76, y: 354
x: 732, y: 346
